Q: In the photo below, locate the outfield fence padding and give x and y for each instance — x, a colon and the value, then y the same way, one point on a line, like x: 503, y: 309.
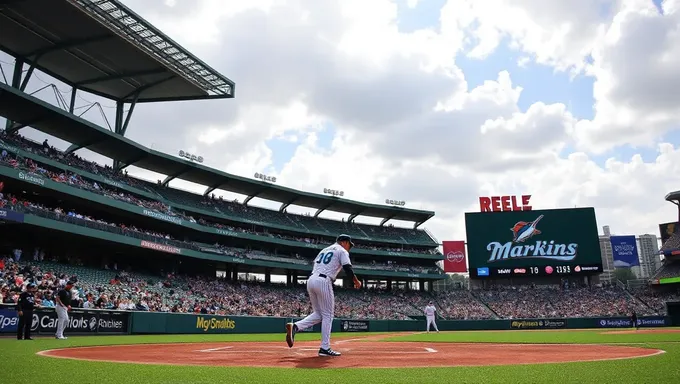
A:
x: 93, y: 322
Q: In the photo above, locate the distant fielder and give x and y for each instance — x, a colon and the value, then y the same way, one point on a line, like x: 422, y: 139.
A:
x: 320, y: 290
x: 430, y: 312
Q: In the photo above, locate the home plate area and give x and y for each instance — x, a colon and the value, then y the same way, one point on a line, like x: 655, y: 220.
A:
x: 354, y: 354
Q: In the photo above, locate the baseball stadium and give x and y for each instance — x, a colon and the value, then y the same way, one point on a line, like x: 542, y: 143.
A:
x: 171, y: 286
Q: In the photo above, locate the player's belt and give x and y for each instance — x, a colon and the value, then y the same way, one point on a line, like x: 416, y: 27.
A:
x: 324, y: 276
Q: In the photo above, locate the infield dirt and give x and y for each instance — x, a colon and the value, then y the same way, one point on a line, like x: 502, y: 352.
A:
x: 357, y: 353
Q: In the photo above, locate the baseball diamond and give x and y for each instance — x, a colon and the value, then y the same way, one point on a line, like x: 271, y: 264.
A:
x: 356, y: 354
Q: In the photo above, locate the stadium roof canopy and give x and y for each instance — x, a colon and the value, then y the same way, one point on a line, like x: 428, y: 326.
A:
x: 102, y: 47
x: 28, y: 110
x: 673, y: 196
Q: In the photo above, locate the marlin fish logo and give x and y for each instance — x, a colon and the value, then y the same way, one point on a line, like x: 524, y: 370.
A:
x: 523, y: 230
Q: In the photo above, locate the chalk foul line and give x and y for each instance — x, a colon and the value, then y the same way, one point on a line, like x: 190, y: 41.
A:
x: 275, y: 349
x: 219, y: 349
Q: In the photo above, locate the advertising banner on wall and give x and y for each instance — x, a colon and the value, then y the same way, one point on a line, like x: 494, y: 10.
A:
x: 6, y: 214
x: 625, y: 251
x: 354, y: 326
x: 80, y: 321
x: 538, y: 324
x: 9, y: 321
x: 454, y: 257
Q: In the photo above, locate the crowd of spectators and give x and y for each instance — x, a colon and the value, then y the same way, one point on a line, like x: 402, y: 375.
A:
x: 219, y: 206
x: 13, y: 202
x: 461, y: 305
x: 656, y: 299
x: 78, y: 181
x: 110, y: 288
x: 121, y: 290
x: 561, y: 301
x: 668, y: 269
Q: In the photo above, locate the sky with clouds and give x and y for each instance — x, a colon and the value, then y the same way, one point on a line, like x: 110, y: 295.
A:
x: 434, y: 102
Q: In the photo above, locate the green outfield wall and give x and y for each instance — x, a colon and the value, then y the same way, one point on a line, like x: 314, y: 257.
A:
x: 89, y: 322
x: 173, y: 323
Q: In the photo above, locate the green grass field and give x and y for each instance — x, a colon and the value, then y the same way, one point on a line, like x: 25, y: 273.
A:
x: 20, y: 364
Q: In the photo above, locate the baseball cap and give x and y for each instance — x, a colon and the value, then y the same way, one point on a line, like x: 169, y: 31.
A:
x: 31, y: 285
x: 70, y: 282
x: 344, y: 237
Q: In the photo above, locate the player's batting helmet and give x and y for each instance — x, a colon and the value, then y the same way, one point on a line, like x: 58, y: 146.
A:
x: 344, y: 237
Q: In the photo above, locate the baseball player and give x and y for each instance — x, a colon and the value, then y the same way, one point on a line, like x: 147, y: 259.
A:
x: 63, y: 305
x: 430, y: 312
x: 320, y: 289
x: 25, y: 311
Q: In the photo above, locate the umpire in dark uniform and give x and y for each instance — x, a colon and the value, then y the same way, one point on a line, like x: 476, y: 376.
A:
x: 25, y: 312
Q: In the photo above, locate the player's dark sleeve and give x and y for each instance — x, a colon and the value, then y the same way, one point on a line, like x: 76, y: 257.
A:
x: 20, y: 303
x: 349, y: 271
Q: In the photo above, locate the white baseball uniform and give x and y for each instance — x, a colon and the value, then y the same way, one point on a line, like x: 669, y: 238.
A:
x: 62, y: 322
x: 320, y: 289
x: 430, y: 311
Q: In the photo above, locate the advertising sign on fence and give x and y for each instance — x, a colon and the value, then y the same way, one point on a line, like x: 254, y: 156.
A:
x: 653, y: 321
x: 8, y: 321
x: 538, y: 324
x: 354, y: 326
x: 80, y: 321
x: 615, y: 323
x: 625, y: 251
x: 11, y: 215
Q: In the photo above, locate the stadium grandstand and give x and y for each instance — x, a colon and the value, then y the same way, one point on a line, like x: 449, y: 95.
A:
x: 114, y: 53
x: 137, y: 245
x: 669, y: 273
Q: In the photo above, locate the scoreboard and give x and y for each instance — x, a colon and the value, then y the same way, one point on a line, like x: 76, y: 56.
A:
x: 533, y: 243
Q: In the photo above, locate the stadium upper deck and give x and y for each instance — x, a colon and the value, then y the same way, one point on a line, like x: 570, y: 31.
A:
x: 39, y: 194
x: 147, y: 67
x: 385, y: 237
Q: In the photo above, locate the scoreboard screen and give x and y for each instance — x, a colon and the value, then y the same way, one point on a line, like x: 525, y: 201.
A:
x: 533, y: 243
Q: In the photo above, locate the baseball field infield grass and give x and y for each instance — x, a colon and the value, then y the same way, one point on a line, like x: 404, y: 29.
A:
x: 19, y: 362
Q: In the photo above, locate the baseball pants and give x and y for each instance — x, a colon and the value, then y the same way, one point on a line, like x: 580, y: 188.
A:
x: 430, y: 320
x: 62, y: 320
x: 25, y: 322
x: 321, y: 295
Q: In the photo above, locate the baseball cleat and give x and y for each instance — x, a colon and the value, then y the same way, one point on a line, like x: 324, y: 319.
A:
x: 328, y: 352
x: 291, y: 330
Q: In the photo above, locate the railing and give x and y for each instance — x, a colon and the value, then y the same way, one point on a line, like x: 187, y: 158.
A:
x: 102, y: 226
x: 620, y: 284
x: 431, y: 235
